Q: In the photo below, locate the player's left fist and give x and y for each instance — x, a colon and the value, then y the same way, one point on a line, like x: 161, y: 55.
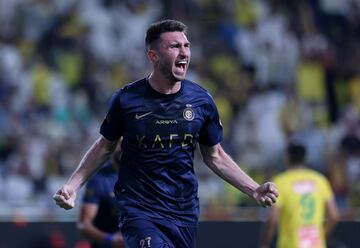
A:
x: 266, y: 194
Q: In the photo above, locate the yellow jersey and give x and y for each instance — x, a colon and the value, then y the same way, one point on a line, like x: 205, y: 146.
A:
x: 303, y: 194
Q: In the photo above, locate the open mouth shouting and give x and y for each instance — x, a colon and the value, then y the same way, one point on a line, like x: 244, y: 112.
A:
x: 181, y: 65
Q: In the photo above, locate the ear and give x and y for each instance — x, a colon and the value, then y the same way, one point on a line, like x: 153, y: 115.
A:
x: 152, y: 55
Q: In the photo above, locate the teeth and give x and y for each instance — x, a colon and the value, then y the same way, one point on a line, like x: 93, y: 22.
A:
x: 182, y: 62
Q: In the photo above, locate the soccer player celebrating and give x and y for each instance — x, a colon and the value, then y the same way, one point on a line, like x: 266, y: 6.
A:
x: 305, y: 198
x: 160, y: 119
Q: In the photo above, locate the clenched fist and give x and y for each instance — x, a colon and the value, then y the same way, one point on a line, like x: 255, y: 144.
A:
x: 65, y: 197
x: 266, y: 194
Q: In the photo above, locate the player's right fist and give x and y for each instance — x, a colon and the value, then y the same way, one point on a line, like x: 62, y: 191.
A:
x: 65, y: 197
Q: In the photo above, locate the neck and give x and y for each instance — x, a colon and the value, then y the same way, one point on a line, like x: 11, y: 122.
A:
x: 163, y: 85
x: 298, y: 166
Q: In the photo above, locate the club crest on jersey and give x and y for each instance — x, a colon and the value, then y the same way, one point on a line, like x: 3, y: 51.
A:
x: 188, y: 113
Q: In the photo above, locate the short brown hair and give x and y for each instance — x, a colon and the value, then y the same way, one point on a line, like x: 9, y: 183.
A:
x: 157, y: 28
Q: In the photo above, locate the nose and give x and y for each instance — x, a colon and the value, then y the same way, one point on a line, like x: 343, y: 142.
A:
x: 184, y: 51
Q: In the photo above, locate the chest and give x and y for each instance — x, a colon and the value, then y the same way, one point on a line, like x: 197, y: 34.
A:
x: 163, y: 122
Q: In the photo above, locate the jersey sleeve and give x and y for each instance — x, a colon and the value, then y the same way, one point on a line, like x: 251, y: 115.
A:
x: 211, y: 133
x: 111, y: 126
x: 92, y: 192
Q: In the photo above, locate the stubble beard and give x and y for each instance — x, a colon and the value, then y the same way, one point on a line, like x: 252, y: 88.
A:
x: 166, y: 70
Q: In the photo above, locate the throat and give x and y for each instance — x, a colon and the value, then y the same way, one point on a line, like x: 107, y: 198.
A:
x: 163, y: 85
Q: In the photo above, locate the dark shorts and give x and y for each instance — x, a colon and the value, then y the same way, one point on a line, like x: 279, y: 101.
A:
x: 144, y: 234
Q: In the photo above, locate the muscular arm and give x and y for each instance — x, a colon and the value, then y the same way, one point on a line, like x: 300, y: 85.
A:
x: 98, y: 153
x: 222, y: 164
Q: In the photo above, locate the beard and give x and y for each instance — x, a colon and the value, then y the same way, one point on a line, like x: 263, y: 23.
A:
x: 166, y: 68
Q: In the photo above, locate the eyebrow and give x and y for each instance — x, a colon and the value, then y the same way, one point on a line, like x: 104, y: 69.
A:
x: 178, y: 42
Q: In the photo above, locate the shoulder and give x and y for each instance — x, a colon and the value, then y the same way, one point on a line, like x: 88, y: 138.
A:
x: 129, y: 91
x: 319, y: 177
x: 283, y: 179
x: 132, y: 87
x: 196, y: 91
x: 281, y: 176
x: 196, y: 88
x: 313, y: 173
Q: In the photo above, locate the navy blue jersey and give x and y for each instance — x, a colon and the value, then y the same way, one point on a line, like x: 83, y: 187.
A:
x: 160, y: 133
x: 100, y: 190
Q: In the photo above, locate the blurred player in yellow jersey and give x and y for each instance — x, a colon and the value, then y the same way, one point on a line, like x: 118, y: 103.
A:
x: 305, y: 210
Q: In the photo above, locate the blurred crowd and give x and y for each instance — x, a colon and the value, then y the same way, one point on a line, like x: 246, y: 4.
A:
x: 278, y: 70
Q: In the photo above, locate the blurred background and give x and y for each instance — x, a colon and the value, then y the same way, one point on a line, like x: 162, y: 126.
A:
x: 277, y: 69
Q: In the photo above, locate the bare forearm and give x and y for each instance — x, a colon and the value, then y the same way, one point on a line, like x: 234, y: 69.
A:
x: 228, y: 170
x: 90, y: 163
x: 221, y: 163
